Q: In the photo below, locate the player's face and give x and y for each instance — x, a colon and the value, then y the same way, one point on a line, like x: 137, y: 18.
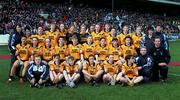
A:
x: 107, y: 27
x: 150, y: 32
x: 75, y: 41
x: 62, y: 27
x: 128, y: 41
x: 115, y: 43
x: 103, y: 42
x: 158, y: 28
x: 111, y: 58
x: 157, y: 42
x: 138, y: 30
x: 18, y: 29
x: 72, y: 28
x: 113, y: 32
x: 89, y: 40
x: 97, y: 28
x: 91, y: 59
x: 56, y: 59
x: 91, y: 28
x: 143, y: 51
x: 71, y: 62
x: 48, y: 43
x: 83, y: 30
x: 125, y: 29
x: 38, y: 60
x: 53, y: 27
x: 28, y: 32
x: 40, y: 30
x: 23, y: 40
x: 132, y: 60
x: 35, y: 41
x: 61, y: 41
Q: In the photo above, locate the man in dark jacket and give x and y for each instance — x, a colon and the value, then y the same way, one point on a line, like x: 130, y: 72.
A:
x: 147, y: 40
x: 145, y: 64
x: 161, y: 58
x: 163, y: 37
x: 14, y: 39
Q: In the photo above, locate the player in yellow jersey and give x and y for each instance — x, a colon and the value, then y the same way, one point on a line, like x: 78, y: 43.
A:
x: 61, y: 48
x: 47, y: 51
x: 96, y: 35
x: 22, y: 54
x: 56, y: 71
x: 28, y: 35
x: 92, y: 71
x: 111, y: 70
x: 115, y: 49
x: 124, y: 34
x: 102, y: 50
x: 128, y: 48
x: 53, y: 35
x: 137, y: 38
x: 71, y: 73
x: 83, y: 34
x: 34, y: 49
x: 63, y: 31
x: 130, y: 72
x: 41, y: 36
x: 110, y: 37
x: 75, y: 51
x: 88, y: 48
x: 106, y: 31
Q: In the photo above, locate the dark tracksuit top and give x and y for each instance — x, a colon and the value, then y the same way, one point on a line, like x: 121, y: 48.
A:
x: 146, y: 62
x: 160, y: 55
x: 38, y: 72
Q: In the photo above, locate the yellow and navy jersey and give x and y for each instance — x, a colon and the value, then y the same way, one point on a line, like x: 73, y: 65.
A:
x: 116, y: 51
x: 71, y: 69
x: 121, y: 38
x: 130, y: 71
x: 75, y: 51
x: 35, y: 51
x: 92, y: 68
x: 128, y: 50
x: 53, y: 36
x: 137, y: 40
x: 112, y: 69
x: 88, y: 50
x: 23, y: 52
x: 83, y: 38
x: 57, y: 68
x: 41, y: 39
x: 47, y: 53
x: 62, y: 51
x: 96, y: 37
x: 102, y: 52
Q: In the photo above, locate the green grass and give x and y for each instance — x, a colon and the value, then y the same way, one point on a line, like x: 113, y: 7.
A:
x: 149, y: 91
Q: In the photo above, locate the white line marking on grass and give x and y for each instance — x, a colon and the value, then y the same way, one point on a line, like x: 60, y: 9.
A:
x: 173, y: 74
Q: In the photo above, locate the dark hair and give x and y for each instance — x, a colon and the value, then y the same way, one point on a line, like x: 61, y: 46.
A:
x: 56, y: 55
x: 157, y: 37
x: 128, y: 57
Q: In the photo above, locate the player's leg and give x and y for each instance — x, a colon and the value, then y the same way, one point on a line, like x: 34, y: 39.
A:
x: 87, y: 78
x: 164, y: 72
x: 106, y: 78
x: 13, y: 70
x: 26, y: 65
x: 52, y: 76
x: 76, y: 78
x: 118, y: 77
x: 138, y: 79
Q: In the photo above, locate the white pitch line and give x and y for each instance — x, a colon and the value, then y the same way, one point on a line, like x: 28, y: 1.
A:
x: 174, y: 74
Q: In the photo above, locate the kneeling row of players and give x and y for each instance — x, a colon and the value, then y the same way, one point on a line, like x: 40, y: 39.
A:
x: 70, y: 71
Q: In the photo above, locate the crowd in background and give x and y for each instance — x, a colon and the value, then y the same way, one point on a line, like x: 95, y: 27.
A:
x: 42, y: 14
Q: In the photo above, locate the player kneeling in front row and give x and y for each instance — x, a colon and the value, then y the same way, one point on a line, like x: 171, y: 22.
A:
x: 38, y: 72
x: 111, y: 69
x: 71, y: 72
x: 92, y: 71
x: 130, y: 72
x: 56, y: 71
